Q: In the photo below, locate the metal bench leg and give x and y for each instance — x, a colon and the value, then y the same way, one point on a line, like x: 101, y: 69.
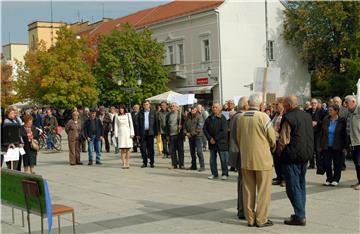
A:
x: 73, y: 218
x: 22, y: 218
x: 28, y: 220
x: 12, y: 215
x: 59, y: 223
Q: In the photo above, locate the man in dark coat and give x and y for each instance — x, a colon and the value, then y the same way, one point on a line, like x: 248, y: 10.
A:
x: 94, y: 132
x: 135, y: 119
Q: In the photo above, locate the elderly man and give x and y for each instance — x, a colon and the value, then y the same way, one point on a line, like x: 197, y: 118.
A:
x: 343, y: 113
x: 353, y: 130
x: 204, y: 114
x: 216, y: 132
x: 256, y: 138
x: 234, y: 152
x: 295, y: 146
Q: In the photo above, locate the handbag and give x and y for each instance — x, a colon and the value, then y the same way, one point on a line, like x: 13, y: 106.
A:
x: 35, y: 144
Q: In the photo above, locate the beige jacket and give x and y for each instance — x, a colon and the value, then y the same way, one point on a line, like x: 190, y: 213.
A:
x: 256, y: 138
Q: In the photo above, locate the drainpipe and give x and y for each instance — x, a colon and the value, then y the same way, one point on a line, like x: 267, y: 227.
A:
x: 220, y: 61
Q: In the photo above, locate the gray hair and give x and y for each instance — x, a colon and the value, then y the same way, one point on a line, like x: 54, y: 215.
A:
x: 349, y: 98
x: 243, y: 101
x: 217, y: 103
x: 255, y: 100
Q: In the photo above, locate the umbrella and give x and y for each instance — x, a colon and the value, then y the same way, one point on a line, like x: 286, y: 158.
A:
x: 167, y: 97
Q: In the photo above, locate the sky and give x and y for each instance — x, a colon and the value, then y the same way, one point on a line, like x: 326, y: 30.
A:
x: 16, y: 15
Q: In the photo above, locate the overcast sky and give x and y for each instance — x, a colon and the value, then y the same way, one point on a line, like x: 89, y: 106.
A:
x: 16, y: 15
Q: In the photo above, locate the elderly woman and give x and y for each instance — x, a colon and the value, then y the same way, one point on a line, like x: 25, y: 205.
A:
x: 28, y: 132
x: 73, y: 129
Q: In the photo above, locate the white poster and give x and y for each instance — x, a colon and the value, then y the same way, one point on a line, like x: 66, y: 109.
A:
x: 12, y: 154
x: 186, y: 99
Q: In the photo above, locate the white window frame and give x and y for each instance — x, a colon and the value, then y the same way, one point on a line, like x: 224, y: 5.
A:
x: 180, y: 56
x: 170, y: 56
x: 271, y: 54
x: 203, y: 51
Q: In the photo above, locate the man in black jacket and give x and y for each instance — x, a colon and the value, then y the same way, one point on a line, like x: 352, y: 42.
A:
x: 295, y: 146
x: 147, y: 128
x: 216, y: 132
x: 135, y: 119
x: 94, y: 132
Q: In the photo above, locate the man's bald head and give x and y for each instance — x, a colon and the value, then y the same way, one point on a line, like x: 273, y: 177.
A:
x: 243, y: 103
x: 291, y: 102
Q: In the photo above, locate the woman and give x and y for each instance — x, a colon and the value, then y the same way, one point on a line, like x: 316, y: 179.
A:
x: 124, y: 132
x: 29, y: 132
x: 73, y: 129
x: 332, y: 142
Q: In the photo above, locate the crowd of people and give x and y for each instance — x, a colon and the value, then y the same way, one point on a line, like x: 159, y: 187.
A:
x: 251, y: 138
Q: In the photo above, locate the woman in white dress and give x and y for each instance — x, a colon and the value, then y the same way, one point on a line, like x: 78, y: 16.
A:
x: 124, y: 132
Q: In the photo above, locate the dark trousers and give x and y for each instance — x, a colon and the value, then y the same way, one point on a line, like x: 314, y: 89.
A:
x: 147, y: 148
x: 356, y: 159
x: 296, y: 187
x: 83, y: 145
x: 177, y: 150
x: 240, y: 202
x: 195, y: 144
x: 335, y: 157
x: 165, y: 144
x: 317, y: 157
x: 106, y: 139
x: 278, y: 164
x: 135, y: 144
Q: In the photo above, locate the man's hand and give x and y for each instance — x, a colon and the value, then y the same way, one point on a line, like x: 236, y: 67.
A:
x: 212, y: 141
x: 314, y: 123
x: 188, y: 135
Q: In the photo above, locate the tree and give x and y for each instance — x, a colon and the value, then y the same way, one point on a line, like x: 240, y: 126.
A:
x: 8, y: 96
x: 326, y: 36
x: 128, y: 55
x: 59, y: 76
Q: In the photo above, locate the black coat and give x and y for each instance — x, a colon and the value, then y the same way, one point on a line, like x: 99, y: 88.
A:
x: 217, y: 127
x: 317, y: 116
x: 153, y: 126
x: 135, y: 119
x: 340, y: 134
x: 27, y: 145
x: 99, y: 128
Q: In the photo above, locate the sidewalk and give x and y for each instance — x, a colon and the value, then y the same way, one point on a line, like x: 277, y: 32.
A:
x: 108, y: 199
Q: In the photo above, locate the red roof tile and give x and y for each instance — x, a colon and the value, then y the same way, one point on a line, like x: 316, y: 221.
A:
x: 158, y: 14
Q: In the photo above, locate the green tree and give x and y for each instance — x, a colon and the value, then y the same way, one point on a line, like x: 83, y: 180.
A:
x: 8, y: 96
x: 326, y: 36
x: 128, y: 55
x: 59, y: 76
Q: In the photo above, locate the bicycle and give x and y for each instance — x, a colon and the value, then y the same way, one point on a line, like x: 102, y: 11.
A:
x: 55, y: 138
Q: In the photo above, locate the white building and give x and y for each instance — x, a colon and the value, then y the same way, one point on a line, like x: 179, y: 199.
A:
x: 227, y: 38
x: 12, y: 52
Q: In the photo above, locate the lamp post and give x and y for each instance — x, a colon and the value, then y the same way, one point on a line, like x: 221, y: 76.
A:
x: 129, y: 90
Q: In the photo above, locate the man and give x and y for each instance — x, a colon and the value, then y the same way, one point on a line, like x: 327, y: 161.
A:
x: 94, y: 132
x: 162, y: 114
x: 135, y: 119
x: 37, y: 119
x: 50, y: 124
x: 234, y: 152
x: 204, y: 114
x: 113, y: 140
x: 231, y: 106
x: 296, y: 147
x: 84, y: 115
x: 353, y: 130
x: 216, y: 132
x: 194, y: 131
x: 174, y: 131
x: 147, y: 128
x: 316, y: 115
x: 256, y: 139
x: 106, y: 121
x: 343, y: 113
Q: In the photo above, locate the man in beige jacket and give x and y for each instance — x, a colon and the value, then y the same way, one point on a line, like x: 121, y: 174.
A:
x: 256, y: 138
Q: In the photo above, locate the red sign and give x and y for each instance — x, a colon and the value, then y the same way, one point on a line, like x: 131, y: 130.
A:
x: 204, y: 80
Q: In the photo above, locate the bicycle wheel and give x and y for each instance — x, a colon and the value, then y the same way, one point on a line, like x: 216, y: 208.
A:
x: 42, y: 142
x: 56, y: 141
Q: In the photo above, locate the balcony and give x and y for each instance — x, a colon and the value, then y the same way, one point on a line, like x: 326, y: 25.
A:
x: 176, y: 71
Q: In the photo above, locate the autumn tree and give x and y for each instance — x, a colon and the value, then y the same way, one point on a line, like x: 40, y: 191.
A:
x: 326, y: 36
x: 59, y: 76
x: 8, y: 96
x: 129, y: 55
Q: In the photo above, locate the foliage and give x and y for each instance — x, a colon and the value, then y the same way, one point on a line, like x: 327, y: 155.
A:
x: 7, y: 86
x: 129, y: 55
x: 326, y: 36
x: 59, y: 76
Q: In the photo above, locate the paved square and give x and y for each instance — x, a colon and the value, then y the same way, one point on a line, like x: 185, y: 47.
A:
x: 108, y: 199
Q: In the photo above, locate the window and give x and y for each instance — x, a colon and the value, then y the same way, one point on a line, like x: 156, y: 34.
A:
x: 180, y: 53
x: 170, y: 54
x: 271, y: 50
x: 206, y: 50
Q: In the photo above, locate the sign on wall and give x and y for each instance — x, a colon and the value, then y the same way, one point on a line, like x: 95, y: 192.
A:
x: 202, y: 80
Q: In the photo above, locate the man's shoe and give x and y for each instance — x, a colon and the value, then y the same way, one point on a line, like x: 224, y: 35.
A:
x: 142, y: 166
x: 224, y: 177
x: 334, y: 183
x: 311, y: 167
x: 201, y: 169
x: 295, y: 222
x: 191, y: 168
x: 283, y: 183
x: 182, y: 167
x: 72, y: 164
x: 357, y: 187
x: 79, y: 163
x: 212, y: 177
x: 152, y: 166
x: 320, y: 172
x: 241, y: 217
x: 267, y: 224
x: 354, y: 185
x: 98, y: 163
x: 327, y: 183
x: 90, y: 163
x: 276, y: 182
x: 251, y: 225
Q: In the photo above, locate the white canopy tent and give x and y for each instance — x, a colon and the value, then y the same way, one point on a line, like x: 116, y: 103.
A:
x: 167, y: 97
x: 24, y: 104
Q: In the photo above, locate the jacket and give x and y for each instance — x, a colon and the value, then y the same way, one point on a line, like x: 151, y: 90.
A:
x: 234, y: 150
x: 99, y: 128
x: 161, y: 117
x: 340, y: 133
x: 135, y: 120
x: 194, y: 125
x: 50, y: 122
x: 153, y: 128
x: 179, y: 122
x: 256, y: 139
x: 216, y: 127
x: 27, y: 144
x: 316, y: 116
x: 354, y: 125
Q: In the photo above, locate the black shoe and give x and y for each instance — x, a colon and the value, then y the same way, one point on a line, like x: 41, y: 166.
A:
x: 152, y: 166
x: 343, y: 168
x: 241, y: 217
x: 90, y: 163
x: 267, y: 224
x: 311, y: 167
x: 72, y: 164
x: 320, y: 172
x: 79, y: 163
x: 98, y: 163
x: 294, y: 221
x: 251, y: 225
x: 201, y: 169
x: 142, y: 166
x: 276, y: 182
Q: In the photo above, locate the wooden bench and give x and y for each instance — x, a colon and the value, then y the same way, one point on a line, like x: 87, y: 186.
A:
x: 27, y: 192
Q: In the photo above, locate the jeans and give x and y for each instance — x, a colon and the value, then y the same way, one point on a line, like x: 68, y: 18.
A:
x: 94, y: 143
x: 195, y: 144
x: 49, y: 140
x: 335, y: 157
x: 296, y: 187
x: 224, y: 159
x: 356, y: 159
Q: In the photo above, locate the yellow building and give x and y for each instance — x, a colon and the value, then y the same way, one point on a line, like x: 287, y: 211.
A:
x: 43, y: 31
